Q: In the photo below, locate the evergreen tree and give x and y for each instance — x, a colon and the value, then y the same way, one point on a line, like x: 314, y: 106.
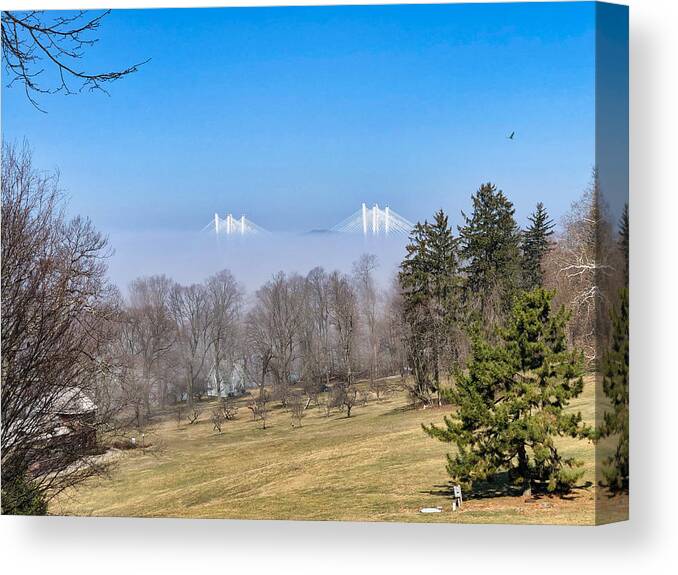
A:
x: 616, y: 388
x: 512, y: 400
x: 490, y: 250
x: 20, y: 496
x: 535, y: 244
x: 624, y: 241
x: 428, y: 280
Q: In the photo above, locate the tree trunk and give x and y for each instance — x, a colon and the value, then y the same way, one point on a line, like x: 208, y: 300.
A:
x: 217, y: 374
x: 163, y: 394
x: 524, y: 471
x: 189, y: 389
x: 147, y: 399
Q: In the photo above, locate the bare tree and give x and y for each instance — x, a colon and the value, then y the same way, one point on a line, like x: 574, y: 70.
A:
x: 194, y: 414
x: 364, y: 397
x: 342, y: 307
x: 582, y: 263
x: 314, y: 337
x: 36, y: 42
x: 297, y: 407
x: 363, y: 276
x: 225, y: 301
x: 392, y: 329
x: 319, y: 318
x: 259, y: 407
x: 128, y: 380
x: 190, y: 310
x: 57, y: 316
x: 217, y: 419
x: 312, y: 388
x: 327, y: 405
x: 227, y: 408
x: 280, y: 306
x: 153, y: 332
x: 344, y: 396
x: 257, y: 348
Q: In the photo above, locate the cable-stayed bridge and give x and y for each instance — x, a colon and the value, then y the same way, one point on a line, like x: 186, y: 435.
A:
x: 375, y: 221
x: 230, y: 226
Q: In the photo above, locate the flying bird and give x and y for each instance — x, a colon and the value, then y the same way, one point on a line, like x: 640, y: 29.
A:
x: 510, y: 136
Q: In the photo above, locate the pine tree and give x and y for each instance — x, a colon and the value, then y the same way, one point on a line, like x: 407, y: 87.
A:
x: 490, y: 248
x: 535, y: 245
x: 616, y: 387
x: 512, y: 400
x: 624, y: 241
x: 428, y: 280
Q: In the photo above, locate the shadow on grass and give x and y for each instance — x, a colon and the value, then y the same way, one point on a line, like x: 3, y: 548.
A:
x: 611, y: 492
x: 398, y: 410
x: 444, y: 409
x: 500, y: 486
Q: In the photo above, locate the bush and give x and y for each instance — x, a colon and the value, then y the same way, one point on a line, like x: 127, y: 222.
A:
x: 21, y: 497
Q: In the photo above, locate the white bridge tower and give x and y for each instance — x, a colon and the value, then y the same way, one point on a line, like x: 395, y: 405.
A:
x: 230, y: 226
x: 375, y: 221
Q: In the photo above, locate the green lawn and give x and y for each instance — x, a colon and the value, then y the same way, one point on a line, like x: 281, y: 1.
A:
x: 376, y: 466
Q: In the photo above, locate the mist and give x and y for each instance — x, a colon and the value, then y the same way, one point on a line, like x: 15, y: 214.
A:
x: 191, y: 257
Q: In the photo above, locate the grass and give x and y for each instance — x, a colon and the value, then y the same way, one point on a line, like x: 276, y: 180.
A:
x: 376, y: 466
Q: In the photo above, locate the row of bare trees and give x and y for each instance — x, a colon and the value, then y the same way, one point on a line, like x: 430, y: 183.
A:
x: 309, y: 332
x: 172, y: 337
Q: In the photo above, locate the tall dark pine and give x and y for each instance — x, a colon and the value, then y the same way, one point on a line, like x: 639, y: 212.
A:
x: 616, y: 388
x: 624, y: 241
x: 512, y: 402
x: 535, y: 244
x: 490, y: 250
x: 616, y: 377
x: 429, y: 280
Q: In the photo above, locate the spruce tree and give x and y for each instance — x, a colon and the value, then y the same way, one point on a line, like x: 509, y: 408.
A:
x: 616, y: 377
x: 512, y: 402
x: 624, y: 242
x: 535, y: 244
x: 490, y: 250
x: 428, y: 280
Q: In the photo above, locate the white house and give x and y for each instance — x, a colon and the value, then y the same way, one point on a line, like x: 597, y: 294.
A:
x: 232, y: 381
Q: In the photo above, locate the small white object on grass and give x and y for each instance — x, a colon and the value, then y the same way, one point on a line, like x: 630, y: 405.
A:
x: 431, y: 510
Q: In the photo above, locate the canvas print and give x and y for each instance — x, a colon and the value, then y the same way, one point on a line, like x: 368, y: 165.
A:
x: 357, y: 263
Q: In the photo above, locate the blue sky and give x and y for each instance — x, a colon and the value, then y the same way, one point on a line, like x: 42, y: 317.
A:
x: 294, y: 116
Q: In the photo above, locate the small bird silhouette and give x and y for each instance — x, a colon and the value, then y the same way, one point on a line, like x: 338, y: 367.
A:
x: 510, y: 136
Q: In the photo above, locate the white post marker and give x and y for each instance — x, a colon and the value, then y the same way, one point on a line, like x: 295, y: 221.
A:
x: 457, y: 497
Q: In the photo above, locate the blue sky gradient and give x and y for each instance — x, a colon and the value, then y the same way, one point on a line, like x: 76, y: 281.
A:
x: 294, y: 116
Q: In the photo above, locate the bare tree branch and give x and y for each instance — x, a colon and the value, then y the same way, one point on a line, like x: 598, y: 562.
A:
x: 35, y: 41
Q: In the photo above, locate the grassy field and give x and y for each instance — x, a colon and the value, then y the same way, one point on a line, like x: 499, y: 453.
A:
x: 376, y: 466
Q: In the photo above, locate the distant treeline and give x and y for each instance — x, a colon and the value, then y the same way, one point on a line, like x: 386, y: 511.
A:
x: 68, y: 332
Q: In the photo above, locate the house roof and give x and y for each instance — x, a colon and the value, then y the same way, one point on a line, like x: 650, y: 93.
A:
x: 73, y: 401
